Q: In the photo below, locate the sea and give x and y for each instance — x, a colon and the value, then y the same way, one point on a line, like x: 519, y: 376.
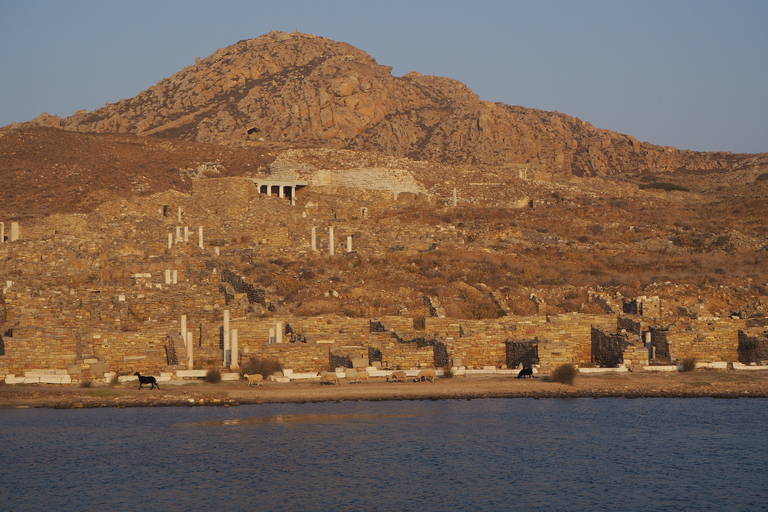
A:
x: 649, y: 454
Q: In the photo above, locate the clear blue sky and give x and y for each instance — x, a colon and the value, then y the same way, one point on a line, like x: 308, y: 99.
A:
x: 689, y: 74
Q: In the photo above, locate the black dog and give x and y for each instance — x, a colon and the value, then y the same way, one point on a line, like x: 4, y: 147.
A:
x: 147, y: 380
x: 525, y: 372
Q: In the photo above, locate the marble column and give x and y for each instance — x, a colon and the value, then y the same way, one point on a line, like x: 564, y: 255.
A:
x: 349, y: 244
x: 200, y: 237
x: 234, y: 357
x: 314, y: 240
x: 226, y: 338
x: 190, y: 352
x: 330, y: 241
x: 15, y: 235
x: 2, y: 232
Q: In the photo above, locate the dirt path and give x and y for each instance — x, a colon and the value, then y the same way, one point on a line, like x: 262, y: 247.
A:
x: 725, y: 384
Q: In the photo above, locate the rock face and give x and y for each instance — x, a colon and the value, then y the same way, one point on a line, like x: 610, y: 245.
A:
x: 303, y: 89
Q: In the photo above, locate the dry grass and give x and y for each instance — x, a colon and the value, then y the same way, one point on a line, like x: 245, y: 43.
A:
x: 688, y: 364
x: 565, y: 373
x: 263, y: 367
x: 213, y: 376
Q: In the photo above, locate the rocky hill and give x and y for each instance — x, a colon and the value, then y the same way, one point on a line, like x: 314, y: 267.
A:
x: 308, y: 90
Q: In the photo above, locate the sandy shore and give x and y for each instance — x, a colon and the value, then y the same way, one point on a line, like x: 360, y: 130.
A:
x: 701, y: 383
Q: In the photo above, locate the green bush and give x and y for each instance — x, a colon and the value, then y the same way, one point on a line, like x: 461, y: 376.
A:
x: 565, y: 373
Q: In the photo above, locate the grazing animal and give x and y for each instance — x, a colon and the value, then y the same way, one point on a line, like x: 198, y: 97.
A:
x: 396, y: 377
x: 527, y: 371
x: 328, y: 378
x: 147, y: 380
x: 360, y: 377
x: 257, y: 379
x: 425, y: 375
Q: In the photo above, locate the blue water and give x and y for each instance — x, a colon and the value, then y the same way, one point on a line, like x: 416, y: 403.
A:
x: 495, y: 454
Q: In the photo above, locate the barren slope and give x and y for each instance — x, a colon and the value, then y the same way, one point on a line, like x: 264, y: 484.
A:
x: 305, y: 89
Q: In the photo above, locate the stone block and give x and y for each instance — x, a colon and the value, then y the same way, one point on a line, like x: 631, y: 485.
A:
x: 360, y: 363
x: 74, y: 369
x: 99, y: 368
x: 191, y: 374
x: 230, y: 376
x: 12, y: 379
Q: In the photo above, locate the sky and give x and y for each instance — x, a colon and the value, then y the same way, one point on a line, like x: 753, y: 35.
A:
x: 688, y: 74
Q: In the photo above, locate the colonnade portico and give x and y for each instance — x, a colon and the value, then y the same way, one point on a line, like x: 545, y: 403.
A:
x: 283, y: 188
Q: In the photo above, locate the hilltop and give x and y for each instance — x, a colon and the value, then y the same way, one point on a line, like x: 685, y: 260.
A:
x: 308, y: 90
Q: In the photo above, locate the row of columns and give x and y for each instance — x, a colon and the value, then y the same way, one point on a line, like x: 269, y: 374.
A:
x: 15, y: 232
x: 331, y: 241
x: 281, y: 191
x: 231, y: 352
x: 185, y: 236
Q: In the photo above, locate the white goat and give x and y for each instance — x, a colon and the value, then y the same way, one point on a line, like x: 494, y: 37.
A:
x: 257, y: 379
x: 425, y: 375
x: 328, y: 378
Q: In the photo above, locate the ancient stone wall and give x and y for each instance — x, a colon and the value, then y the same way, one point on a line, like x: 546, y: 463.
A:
x: 705, y: 340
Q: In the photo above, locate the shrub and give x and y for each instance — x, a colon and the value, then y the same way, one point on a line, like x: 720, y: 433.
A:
x: 447, y: 372
x: 213, y: 376
x: 86, y: 383
x: 265, y: 367
x: 565, y: 373
x: 688, y: 364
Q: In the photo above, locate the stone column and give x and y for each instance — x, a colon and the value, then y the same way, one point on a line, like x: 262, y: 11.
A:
x: 178, y: 234
x: 226, y: 338
x: 271, y: 335
x: 184, y: 328
x: 186, y: 233
x: 179, y: 214
x: 281, y: 192
x: 234, y: 358
x: 170, y: 241
x: 15, y: 231
x: 269, y: 190
x: 278, y: 332
x: 175, y: 276
x: 190, y: 352
x: 293, y: 195
x: 167, y: 277
x: 455, y: 198
x: 649, y: 347
x: 217, y: 251
x: 2, y: 232
x: 349, y: 244
x: 314, y: 240
x: 200, y: 237
x: 330, y: 240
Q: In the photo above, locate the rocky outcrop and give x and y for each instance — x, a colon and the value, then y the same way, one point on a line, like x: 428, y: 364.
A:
x: 304, y: 89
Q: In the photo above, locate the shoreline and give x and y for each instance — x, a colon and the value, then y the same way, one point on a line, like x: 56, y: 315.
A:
x: 697, y: 384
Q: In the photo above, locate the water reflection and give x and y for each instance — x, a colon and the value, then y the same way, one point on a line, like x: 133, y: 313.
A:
x: 296, y: 419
